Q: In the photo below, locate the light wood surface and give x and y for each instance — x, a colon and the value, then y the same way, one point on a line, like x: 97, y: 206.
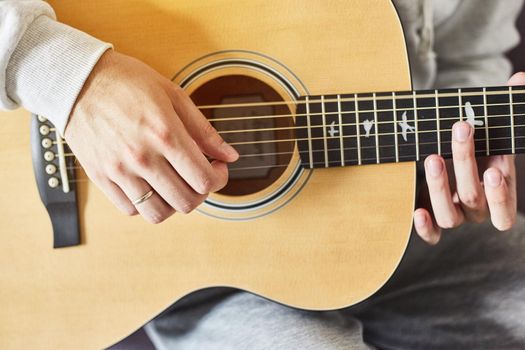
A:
x: 333, y: 245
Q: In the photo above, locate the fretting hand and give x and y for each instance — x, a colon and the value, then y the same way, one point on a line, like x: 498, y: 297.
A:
x: 472, y: 200
x: 141, y: 140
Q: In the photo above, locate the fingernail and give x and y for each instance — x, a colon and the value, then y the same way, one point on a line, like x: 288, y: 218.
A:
x: 435, y: 167
x: 492, y: 178
x: 462, y: 131
x: 229, y: 150
x: 420, y: 220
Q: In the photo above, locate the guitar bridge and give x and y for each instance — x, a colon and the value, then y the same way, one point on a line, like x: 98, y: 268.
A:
x: 54, y: 169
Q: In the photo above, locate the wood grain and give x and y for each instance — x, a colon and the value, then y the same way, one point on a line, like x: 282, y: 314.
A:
x: 335, y: 244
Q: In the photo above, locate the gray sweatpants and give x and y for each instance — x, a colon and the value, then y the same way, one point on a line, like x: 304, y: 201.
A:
x: 466, y: 293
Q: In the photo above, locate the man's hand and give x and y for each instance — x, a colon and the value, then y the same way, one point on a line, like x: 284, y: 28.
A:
x: 134, y: 130
x: 472, y: 199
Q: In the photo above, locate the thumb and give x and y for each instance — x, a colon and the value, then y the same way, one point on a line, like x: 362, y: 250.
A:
x: 199, y: 128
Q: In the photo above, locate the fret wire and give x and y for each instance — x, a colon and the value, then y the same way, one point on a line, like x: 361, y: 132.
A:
x: 350, y: 136
x: 341, y: 142
x: 460, y: 105
x: 309, y: 132
x: 377, y: 128
x: 324, y: 132
x: 294, y: 102
x: 394, y: 107
x: 358, y: 128
x: 485, y: 109
x: 511, y: 100
x: 438, y: 122
x: 416, y: 124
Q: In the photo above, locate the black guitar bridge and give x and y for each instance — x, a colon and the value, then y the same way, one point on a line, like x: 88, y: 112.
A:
x: 54, y: 172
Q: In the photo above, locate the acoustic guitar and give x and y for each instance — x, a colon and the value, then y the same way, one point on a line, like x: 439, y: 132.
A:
x: 288, y: 85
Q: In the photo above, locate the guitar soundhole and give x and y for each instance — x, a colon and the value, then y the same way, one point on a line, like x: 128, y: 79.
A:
x: 250, y: 115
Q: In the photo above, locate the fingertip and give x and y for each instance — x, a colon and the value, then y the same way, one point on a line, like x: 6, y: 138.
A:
x: 425, y: 227
x: 492, y: 177
x: 221, y: 169
x: 434, y: 165
x: 517, y: 79
x: 230, y: 153
x: 420, y: 219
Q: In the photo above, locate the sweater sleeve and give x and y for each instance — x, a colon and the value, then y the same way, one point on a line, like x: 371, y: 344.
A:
x: 472, y: 43
x: 43, y: 63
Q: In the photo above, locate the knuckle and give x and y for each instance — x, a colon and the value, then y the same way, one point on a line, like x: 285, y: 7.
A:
x: 186, y: 207
x: 139, y: 158
x: 437, y: 187
x: 155, y: 218
x: 117, y: 167
x: 472, y: 199
x: 210, y: 133
x: 464, y: 153
x: 164, y: 135
x: 499, y: 199
x: 129, y: 211
x: 205, y: 185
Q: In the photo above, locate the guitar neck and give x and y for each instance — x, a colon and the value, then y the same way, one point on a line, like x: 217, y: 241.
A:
x: 357, y: 129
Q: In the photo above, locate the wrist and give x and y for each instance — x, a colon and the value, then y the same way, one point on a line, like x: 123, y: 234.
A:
x: 49, y: 68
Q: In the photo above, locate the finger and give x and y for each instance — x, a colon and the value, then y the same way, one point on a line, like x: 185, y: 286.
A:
x: 199, y: 127
x: 118, y: 197
x: 502, y: 205
x: 112, y: 192
x: 425, y: 227
x: 173, y: 189
x: 154, y: 209
x: 185, y: 157
x: 446, y: 213
x: 468, y: 185
x: 517, y: 79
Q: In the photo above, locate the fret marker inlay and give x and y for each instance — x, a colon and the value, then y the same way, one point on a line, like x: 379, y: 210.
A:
x: 332, y: 130
x: 368, y: 125
x: 471, y: 116
x: 405, y: 127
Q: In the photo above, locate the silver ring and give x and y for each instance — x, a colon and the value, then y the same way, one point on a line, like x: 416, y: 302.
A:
x: 143, y: 198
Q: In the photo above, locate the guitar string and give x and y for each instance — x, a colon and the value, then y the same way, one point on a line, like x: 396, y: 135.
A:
x: 338, y: 126
x: 364, y: 162
x: 286, y: 116
x: 401, y: 95
x: 371, y: 135
x: 346, y: 137
x: 355, y: 149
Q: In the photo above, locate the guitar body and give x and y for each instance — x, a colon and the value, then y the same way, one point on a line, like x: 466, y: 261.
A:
x: 321, y: 239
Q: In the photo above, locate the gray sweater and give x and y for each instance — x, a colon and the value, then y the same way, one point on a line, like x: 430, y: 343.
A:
x: 44, y: 64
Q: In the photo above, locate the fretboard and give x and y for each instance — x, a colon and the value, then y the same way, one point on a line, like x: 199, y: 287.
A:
x: 356, y: 129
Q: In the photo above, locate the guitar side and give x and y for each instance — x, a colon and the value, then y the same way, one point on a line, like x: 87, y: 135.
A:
x: 333, y: 244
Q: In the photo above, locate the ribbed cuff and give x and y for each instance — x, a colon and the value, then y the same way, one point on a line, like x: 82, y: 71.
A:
x: 49, y: 68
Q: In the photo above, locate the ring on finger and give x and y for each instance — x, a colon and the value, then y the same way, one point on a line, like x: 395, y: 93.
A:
x: 143, y: 198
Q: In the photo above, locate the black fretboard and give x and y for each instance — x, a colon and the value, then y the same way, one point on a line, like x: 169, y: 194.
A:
x: 355, y: 129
